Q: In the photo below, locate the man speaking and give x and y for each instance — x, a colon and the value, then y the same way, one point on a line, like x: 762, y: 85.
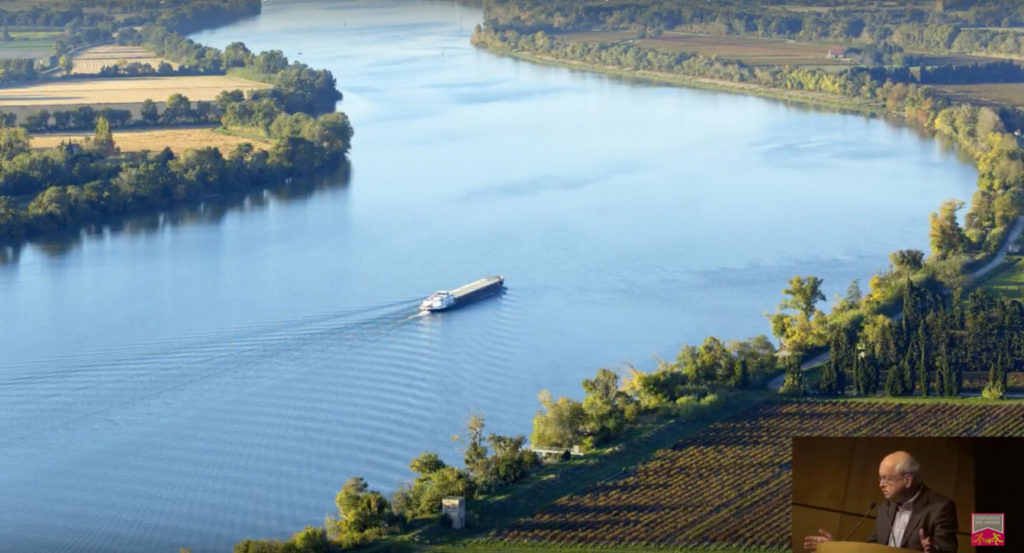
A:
x: 912, y: 515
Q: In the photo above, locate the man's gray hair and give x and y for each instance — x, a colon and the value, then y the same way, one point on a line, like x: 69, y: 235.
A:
x: 909, y: 465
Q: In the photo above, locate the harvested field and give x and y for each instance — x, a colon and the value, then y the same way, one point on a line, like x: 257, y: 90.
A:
x: 730, y: 485
x: 122, y: 90
x: 752, y: 51
x: 986, y: 93
x: 91, y: 60
x: 178, y: 139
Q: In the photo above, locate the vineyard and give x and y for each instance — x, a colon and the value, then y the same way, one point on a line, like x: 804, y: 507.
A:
x: 730, y: 484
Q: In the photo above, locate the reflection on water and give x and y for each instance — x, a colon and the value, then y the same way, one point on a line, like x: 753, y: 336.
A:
x: 210, y: 210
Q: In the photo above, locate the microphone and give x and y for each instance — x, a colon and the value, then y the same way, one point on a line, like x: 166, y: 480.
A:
x: 872, y: 506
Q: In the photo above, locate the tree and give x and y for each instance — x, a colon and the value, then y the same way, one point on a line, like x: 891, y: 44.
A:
x: 311, y: 540
x: 51, y: 209
x: 803, y: 294
x: 793, y: 385
x: 13, y: 141
x: 200, y: 171
x: 878, y: 340
x: 149, y: 112
x: 178, y: 108
x: 61, y: 119
x: 270, y: 62
x: 894, y: 380
x: 434, y: 481
x: 947, y: 238
x: 865, y: 374
x: 426, y: 463
x: 83, y: 117
x: 906, y: 262
x: 236, y: 55
x: 11, y: 219
x: 997, y: 377
x: 360, y: 510
x: 558, y: 424
x: 510, y: 461
x: 103, y: 141
x: 476, y: 451
x: 741, y: 379
x: 66, y: 64
x: 853, y: 293
x: 832, y: 379
x: 713, y: 363
x: 922, y: 360
x: 227, y: 97
x: 202, y: 111
x: 603, y: 405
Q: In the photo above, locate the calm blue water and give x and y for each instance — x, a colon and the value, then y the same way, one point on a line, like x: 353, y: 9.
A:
x: 208, y: 375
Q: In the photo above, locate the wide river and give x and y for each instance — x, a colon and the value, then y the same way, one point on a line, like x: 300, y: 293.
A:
x: 202, y: 376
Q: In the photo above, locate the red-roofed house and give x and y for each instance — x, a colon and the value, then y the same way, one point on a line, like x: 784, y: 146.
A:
x: 835, y: 52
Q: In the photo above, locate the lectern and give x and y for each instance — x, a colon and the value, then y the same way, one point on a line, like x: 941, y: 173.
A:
x: 859, y: 547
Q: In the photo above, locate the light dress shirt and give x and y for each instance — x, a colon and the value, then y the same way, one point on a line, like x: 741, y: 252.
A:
x: 899, y: 525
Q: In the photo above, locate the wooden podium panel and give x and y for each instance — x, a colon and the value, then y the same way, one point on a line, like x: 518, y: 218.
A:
x: 859, y: 547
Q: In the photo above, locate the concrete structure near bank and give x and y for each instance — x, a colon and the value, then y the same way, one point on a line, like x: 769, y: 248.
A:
x: 454, y: 507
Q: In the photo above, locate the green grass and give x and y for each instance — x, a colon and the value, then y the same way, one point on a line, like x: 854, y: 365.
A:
x: 251, y: 74
x: 35, y: 35
x: 1008, y: 280
x: 30, y: 44
x: 579, y: 473
x: 251, y: 133
x: 557, y: 480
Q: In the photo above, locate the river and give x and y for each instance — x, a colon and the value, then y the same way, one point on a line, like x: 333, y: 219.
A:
x: 205, y: 375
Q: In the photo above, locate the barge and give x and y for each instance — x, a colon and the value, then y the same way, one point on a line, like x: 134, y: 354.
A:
x: 450, y: 299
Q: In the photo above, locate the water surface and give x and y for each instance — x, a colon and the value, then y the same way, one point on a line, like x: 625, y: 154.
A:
x: 194, y: 378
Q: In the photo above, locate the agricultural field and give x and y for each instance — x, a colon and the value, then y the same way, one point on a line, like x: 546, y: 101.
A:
x: 121, y: 90
x: 177, y: 139
x: 752, y: 51
x: 27, y: 47
x: 91, y: 60
x: 35, y: 35
x: 986, y: 93
x: 730, y: 484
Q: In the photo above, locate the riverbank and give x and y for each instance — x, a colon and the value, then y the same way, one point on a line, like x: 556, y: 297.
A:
x: 810, y: 98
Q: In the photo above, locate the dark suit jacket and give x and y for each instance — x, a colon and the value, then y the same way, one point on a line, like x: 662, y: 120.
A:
x: 931, y: 511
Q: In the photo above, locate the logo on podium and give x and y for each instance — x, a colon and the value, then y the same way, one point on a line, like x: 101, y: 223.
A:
x: 988, y: 529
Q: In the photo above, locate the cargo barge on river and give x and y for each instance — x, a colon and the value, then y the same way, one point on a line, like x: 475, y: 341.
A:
x: 445, y: 299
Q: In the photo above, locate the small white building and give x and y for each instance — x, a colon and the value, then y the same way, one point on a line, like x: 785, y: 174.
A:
x: 454, y: 507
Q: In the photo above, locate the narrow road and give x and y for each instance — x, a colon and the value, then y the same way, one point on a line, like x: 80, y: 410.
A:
x: 1014, y: 233
x: 1018, y: 226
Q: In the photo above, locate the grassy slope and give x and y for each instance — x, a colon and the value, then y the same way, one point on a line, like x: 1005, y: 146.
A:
x: 561, y: 479
x: 1008, y: 280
